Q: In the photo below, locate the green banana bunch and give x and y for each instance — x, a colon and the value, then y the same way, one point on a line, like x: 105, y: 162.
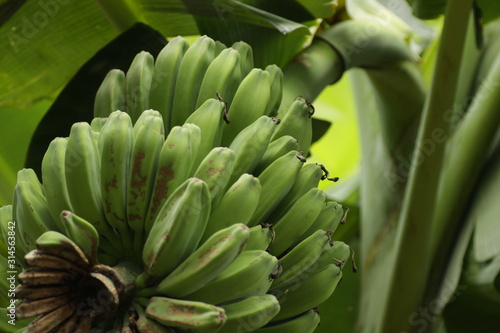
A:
x: 183, y: 207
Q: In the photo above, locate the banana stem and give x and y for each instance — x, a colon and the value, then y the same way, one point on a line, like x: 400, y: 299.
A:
x: 310, y: 72
x: 121, y: 13
x: 467, y: 152
x: 412, y: 247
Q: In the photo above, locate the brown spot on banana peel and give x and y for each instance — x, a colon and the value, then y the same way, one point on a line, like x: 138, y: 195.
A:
x: 165, y: 175
x: 137, y: 181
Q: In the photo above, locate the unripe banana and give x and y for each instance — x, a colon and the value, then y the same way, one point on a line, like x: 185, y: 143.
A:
x: 174, y: 164
x: 219, y: 47
x: 297, y: 122
x: 309, y: 176
x: 223, y: 76
x: 189, y: 78
x: 338, y: 253
x: 144, y: 162
x: 276, y: 88
x: 275, y: 150
x: 203, y: 265
x: 143, y: 118
x: 116, y: 142
x: 111, y: 94
x: 215, y: 170
x: 31, y: 214
x: 246, y: 57
x: 186, y: 315
x: 138, y: 84
x: 310, y: 293
x: 250, y: 102
x: 143, y: 323
x: 297, y: 220
x: 165, y: 73
x: 329, y: 219
x: 241, y: 199
x: 29, y: 175
x: 250, y: 144
x: 304, y: 323
x: 209, y: 118
x: 170, y: 241
x: 302, y: 256
x: 261, y: 236
x: 97, y: 124
x: 256, y: 268
x: 82, y: 169
x: 276, y: 180
x: 83, y: 234
x: 250, y: 313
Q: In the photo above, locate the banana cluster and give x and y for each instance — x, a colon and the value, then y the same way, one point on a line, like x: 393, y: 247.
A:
x: 198, y: 214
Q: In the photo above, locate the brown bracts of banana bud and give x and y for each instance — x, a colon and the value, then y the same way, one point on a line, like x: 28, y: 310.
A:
x: 65, y: 291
